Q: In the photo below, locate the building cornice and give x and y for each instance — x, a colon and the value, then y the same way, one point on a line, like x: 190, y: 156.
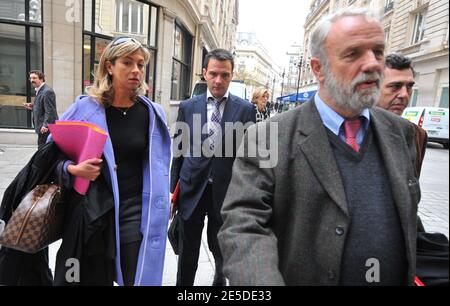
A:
x: 440, y: 51
x: 193, y: 10
x: 316, y: 12
x: 168, y: 14
x: 209, y: 34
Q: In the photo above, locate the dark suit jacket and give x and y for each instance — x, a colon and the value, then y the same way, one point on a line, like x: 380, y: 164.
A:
x: 44, y: 108
x: 280, y: 222
x: 193, y: 171
x: 421, y: 146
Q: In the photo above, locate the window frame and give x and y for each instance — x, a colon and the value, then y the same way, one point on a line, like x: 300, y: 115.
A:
x: 94, y: 35
x: 139, y: 20
x: 441, y: 95
x: 186, y: 67
x: 28, y: 25
x: 416, y: 36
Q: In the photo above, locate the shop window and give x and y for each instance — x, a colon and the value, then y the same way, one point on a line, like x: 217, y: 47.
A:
x: 20, y: 52
x: 15, y: 10
x: 104, y: 20
x: 181, y: 65
x: 444, y: 97
x: 130, y: 16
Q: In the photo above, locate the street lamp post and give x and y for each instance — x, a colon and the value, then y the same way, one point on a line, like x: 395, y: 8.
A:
x: 281, y: 98
x: 273, y: 88
x: 300, y: 63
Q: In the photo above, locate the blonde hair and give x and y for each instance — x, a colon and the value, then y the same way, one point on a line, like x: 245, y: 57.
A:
x: 101, y: 89
x: 259, y: 92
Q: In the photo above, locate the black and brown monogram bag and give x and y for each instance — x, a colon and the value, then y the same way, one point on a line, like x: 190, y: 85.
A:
x: 37, y: 221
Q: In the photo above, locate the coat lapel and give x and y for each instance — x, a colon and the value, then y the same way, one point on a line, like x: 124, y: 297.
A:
x: 313, y: 142
x: 200, y: 108
x: 393, y: 149
x: 229, y: 112
x: 38, y: 98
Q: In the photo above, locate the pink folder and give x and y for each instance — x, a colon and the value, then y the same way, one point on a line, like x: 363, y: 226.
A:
x: 79, y: 141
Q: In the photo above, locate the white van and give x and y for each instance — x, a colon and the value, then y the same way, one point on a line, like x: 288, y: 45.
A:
x: 237, y: 88
x: 434, y: 120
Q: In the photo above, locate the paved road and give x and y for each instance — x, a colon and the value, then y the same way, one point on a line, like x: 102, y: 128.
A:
x: 434, y: 183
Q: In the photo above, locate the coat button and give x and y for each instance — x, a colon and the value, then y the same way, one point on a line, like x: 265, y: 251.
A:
x: 331, y: 275
x: 339, y: 231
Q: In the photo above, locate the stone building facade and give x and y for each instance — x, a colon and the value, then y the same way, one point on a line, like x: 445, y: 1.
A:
x: 418, y: 29
x: 65, y: 38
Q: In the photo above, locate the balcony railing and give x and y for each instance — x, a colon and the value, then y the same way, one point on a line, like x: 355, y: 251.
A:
x: 389, y: 7
x: 315, y: 7
x: 418, y: 3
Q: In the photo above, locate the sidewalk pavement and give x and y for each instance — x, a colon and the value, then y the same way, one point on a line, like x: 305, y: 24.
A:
x: 13, y: 158
x: 205, y: 270
x: 434, y: 211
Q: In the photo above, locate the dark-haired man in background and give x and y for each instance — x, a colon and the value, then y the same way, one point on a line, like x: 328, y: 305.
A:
x: 204, y: 180
x: 395, y: 93
x: 44, y: 106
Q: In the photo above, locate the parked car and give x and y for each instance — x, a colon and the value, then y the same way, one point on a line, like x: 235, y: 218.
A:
x: 434, y: 120
x: 237, y: 88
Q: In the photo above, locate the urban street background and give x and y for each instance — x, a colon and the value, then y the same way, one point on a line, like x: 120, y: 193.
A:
x: 433, y: 209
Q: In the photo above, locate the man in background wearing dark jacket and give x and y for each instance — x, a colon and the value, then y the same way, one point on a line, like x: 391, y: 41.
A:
x: 203, y: 179
x: 395, y: 93
x: 44, y: 106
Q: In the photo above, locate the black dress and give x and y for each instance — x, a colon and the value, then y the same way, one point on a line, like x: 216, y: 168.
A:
x: 128, y: 129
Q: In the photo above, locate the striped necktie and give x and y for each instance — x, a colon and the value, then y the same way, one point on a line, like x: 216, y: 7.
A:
x: 351, y: 128
x: 214, y: 126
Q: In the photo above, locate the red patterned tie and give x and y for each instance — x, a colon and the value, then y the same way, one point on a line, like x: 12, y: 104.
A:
x: 351, y: 130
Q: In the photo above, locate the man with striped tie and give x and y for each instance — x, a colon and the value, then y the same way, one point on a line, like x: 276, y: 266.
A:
x: 203, y: 166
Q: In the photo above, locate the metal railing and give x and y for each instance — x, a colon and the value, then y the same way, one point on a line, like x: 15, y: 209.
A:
x: 389, y: 7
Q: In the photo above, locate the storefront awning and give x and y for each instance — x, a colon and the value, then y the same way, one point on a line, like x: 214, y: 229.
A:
x: 300, y: 98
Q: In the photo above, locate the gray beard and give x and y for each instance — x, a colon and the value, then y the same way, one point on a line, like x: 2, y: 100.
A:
x: 347, y: 98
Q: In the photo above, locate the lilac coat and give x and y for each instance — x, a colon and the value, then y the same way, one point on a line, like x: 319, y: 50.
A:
x: 155, y: 193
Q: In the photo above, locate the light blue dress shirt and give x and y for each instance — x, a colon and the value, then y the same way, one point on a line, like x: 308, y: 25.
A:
x: 334, y: 122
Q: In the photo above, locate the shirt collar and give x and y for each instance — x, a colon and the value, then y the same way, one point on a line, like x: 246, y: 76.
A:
x: 332, y: 120
x: 37, y: 89
x: 209, y: 95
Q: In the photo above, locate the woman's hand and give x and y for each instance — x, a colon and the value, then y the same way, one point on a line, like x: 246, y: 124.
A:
x: 88, y: 169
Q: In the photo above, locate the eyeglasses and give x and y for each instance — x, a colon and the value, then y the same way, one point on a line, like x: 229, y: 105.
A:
x: 121, y: 40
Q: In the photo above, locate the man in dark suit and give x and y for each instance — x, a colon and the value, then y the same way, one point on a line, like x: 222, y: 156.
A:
x: 44, y: 106
x: 395, y: 93
x: 340, y: 205
x: 202, y: 166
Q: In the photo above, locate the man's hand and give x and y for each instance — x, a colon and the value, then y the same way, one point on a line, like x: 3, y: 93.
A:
x: 28, y: 106
x: 88, y: 169
x: 44, y: 130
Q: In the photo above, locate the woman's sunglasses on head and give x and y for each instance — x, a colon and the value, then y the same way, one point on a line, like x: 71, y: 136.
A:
x: 121, y: 40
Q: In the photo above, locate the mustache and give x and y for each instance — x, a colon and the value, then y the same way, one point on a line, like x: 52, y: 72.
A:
x: 365, y: 77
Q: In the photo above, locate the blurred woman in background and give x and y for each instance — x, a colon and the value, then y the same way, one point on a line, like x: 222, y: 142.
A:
x: 259, y: 99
